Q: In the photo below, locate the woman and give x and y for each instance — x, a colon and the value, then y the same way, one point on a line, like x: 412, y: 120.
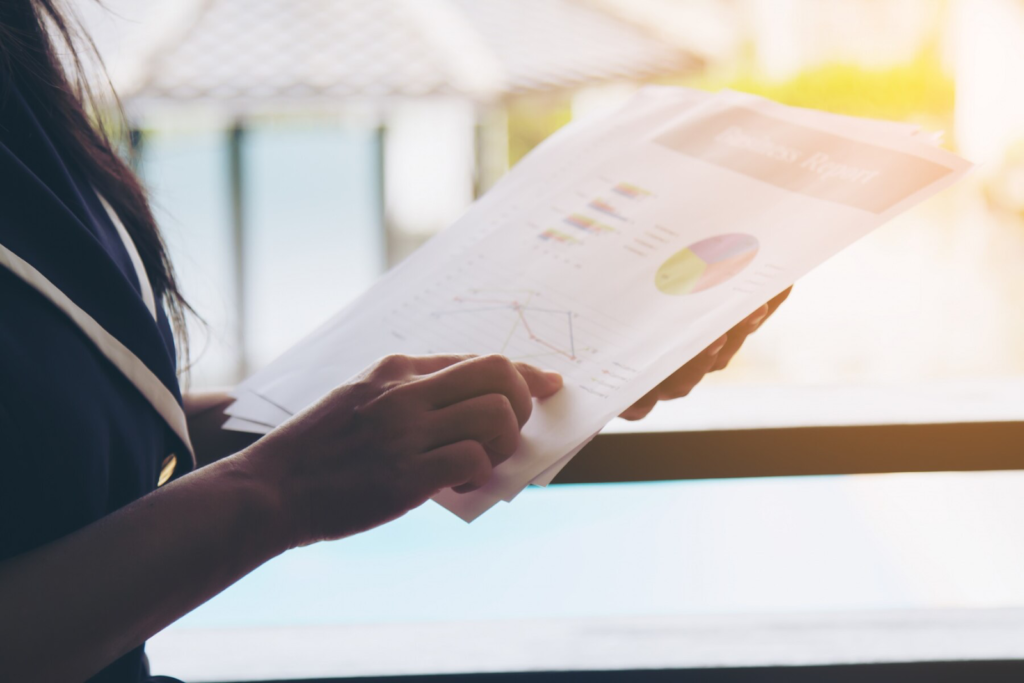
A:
x: 96, y: 553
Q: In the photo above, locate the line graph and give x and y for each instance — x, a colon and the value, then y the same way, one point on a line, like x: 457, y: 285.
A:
x: 483, y: 301
x: 481, y: 306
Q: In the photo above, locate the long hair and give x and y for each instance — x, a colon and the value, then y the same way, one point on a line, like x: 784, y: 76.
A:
x: 42, y: 50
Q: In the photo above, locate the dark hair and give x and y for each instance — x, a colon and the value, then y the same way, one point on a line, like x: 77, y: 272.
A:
x: 31, y: 33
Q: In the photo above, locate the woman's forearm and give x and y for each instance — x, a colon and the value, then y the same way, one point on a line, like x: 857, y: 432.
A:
x: 364, y: 454
x: 75, y: 605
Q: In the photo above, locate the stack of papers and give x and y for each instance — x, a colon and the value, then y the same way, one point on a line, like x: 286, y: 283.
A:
x: 613, y: 254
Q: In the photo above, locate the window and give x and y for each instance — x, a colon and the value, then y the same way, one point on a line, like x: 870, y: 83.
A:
x: 918, y: 322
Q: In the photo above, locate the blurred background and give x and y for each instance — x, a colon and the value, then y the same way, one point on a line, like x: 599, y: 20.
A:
x: 295, y: 150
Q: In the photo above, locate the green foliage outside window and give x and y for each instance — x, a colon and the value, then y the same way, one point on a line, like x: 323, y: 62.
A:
x: 919, y: 91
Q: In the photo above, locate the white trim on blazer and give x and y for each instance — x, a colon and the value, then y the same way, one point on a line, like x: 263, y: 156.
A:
x: 148, y: 384
x: 133, y: 254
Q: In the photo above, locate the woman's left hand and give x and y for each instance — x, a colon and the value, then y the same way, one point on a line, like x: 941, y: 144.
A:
x: 714, y: 357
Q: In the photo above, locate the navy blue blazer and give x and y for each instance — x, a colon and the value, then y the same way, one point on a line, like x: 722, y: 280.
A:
x: 90, y: 407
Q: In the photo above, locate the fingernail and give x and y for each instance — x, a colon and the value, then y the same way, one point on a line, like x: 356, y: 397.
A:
x: 718, y: 344
x: 553, y: 377
x: 758, y: 316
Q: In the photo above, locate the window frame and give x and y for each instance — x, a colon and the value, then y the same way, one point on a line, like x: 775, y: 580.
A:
x: 798, y: 451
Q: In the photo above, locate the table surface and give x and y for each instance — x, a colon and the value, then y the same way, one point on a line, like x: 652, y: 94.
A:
x: 703, y: 573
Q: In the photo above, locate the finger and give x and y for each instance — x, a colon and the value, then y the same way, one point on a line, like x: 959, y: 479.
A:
x: 681, y: 382
x: 778, y: 299
x: 480, y: 376
x: 641, y: 408
x: 738, y: 335
x: 750, y: 324
x: 487, y: 419
x: 463, y: 466
x: 427, y: 365
x: 541, y: 383
x: 398, y: 366
x: 726, y: 356
x: 754, y: 319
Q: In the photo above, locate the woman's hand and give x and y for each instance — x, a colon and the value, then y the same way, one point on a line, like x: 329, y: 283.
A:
x: 714, y: 357
x: 384, y: 443
x: 366, y: 453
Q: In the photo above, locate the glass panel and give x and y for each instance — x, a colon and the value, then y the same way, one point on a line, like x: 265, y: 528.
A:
x: 314, y: 234
x: 921, y: 320
x: 715, y: 572
x: 187, y: 174
x: 918, y: 322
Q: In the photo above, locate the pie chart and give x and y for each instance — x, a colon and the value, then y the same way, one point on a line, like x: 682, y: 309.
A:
x: 707, y: 263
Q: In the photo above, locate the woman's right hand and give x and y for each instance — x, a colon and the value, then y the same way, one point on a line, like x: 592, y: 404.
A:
x: 366, y: 453
x: 403, y: 430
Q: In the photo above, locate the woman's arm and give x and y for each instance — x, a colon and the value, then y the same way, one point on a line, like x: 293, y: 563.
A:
x: 365, y: 454
x: 205, y: 413
x: 77, y: 604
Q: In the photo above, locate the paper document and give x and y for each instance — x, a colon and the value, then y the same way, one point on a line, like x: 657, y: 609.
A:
x: 613, y: 254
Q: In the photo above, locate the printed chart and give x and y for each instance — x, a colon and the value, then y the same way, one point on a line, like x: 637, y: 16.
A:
x: 705, y: 264
x: 535, y: 323
x: 557, y: 336
x: 599, y: 214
